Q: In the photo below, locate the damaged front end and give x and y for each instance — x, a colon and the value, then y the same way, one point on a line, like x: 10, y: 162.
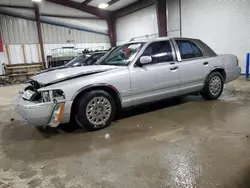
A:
x: 32, y: 93
x: 49, y: 104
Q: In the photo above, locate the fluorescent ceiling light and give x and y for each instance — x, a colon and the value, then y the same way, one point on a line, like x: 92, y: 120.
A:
x: 103, y: 5
x: 37, y: 0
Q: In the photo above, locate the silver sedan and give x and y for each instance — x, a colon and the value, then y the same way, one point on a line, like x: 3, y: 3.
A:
x: 131, y: 74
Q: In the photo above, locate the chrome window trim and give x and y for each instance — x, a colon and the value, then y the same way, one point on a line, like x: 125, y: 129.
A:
x: 178, y: 54
x: 133, y: 64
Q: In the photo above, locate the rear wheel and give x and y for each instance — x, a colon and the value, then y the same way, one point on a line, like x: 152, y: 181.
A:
x: 213, y: 86
x: 95, y: 110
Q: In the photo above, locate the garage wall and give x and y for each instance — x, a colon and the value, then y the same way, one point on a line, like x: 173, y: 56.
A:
x: 223, y: 25
x: 144, y: 22
x: 137, y: 24
x: 2, y: 60
x: 173, y: 18
x: 57, y: 37
x: 17, y: 32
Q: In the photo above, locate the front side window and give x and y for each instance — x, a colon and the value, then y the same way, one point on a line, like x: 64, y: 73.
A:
x: 122, y: 55
x: 159, y: 51
x: 188, y: 49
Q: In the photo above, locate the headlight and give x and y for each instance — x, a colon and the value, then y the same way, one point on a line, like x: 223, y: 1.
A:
x: 48, y: 96
x: 28, y: 94
x: 44, y: 96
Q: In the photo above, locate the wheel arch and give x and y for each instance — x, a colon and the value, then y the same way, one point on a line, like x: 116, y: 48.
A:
x: 105, y: 87
x: 221, y: 70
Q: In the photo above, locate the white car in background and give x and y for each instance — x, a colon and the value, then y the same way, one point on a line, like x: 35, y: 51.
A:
x: 129, y: 75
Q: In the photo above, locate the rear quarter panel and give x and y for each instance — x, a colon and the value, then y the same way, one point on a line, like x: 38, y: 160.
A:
x: 228, y: 62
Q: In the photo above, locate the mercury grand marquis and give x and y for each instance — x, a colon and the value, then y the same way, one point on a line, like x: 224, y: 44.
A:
x: 131, y: 74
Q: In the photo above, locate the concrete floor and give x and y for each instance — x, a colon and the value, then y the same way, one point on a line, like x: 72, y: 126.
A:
x: 190, y: 143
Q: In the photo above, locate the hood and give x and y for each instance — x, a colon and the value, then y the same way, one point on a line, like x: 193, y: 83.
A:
x: 58, y: 75
x: 52, y: 69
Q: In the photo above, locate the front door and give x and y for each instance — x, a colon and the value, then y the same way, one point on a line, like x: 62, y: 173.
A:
x: 158, y: 79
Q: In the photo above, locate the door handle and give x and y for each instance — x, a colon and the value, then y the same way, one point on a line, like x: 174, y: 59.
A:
x: 205, y: 63
x: 174, y: 68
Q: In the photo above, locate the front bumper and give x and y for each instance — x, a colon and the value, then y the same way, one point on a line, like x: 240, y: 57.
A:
x: 40, y: 114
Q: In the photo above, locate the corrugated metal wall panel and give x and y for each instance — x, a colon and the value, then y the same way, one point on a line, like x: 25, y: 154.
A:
x: 16, y: 54
x: 60, y: 35
x: 33, y: 32
x: 90, y: 25
x: 22, y: 31
x: 18, y: 31
x: 223, y: 25
x: 2, y: 60
x: 26, y: 33
x: 4, y: 30
x: 49, y: 47
x: 9, y: 26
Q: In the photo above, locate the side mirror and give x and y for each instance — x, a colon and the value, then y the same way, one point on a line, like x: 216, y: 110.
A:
x: 145, y: 60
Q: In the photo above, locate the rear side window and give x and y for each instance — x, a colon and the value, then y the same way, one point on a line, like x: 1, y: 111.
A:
x: 188, y: 49
x: 159, y: 51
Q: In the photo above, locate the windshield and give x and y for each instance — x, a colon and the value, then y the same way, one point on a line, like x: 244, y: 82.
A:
x: 122, y: 55
x: 78, y: 61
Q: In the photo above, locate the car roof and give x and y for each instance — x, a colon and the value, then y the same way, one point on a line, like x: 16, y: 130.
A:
x: 159, y: 39
x: 183, y: 38
x: 149, y: 39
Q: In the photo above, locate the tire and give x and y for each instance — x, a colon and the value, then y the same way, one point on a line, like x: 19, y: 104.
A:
x: 95, y: 110
x: 213, y: 86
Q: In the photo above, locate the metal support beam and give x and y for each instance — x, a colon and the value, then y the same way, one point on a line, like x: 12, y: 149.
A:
x: 138, y: 5
x: 85, y: 8
x: 15, y: 6
x: 38, y: 53
x: 180, y: 9
x: 39, y: 30
x: 86, y: 2
x: 71, y: 17
x: 8, y: 53
x: 112, y: 31
x: 112, y: 2
x: 24, y: 54
x: 161, y: 17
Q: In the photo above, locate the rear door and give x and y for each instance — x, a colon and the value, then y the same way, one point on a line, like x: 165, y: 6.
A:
x: 192, y: 64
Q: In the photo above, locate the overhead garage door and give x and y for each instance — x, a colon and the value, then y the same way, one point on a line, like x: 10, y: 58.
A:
x: 137, y: 25
x: 222, y: 24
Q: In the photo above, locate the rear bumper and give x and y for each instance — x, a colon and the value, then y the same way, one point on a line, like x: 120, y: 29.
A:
x: 40, y: 114
x: 233, y: 74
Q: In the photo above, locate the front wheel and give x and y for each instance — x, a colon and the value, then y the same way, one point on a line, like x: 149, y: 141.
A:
x: 95, y: 110
x: 213, y: 86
